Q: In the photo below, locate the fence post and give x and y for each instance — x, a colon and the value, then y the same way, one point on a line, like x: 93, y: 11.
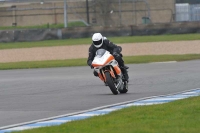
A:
x: 65, y: 13
x: 120, y: 13
x: 87, y: 10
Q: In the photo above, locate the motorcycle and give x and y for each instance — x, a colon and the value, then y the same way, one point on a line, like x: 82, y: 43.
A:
x: 109, y: 71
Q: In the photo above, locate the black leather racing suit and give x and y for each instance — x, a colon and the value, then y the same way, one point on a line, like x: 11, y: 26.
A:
x: 113, y: 49
x: 109, y: 46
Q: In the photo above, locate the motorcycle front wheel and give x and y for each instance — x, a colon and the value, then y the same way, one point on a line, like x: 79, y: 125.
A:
x: 110, y: 83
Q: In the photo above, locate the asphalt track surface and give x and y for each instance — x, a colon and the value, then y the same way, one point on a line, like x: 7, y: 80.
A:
x: 32, y: 94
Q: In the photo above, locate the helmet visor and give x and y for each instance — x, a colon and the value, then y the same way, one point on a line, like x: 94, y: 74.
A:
x: 97, y: 43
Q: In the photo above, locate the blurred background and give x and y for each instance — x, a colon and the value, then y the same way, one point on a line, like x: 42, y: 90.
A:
x: 19, y: 14
x: 97, y: 12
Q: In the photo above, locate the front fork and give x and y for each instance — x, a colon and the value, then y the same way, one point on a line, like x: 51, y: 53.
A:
x: 102, y: 73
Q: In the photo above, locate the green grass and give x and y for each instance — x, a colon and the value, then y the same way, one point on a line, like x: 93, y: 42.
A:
x: 116, y: 40
x: 47, y: 43
x: 82, y: 62
x: 181, y: 116
x: 44, y: 26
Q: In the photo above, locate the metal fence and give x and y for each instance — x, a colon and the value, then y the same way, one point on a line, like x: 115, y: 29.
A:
x: 96, y: 12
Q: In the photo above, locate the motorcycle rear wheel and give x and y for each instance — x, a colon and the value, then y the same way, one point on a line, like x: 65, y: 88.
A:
x: 110, y: 83
x: 125, y: 89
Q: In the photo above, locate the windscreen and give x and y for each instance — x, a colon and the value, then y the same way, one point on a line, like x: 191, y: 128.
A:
x: 100, y: 52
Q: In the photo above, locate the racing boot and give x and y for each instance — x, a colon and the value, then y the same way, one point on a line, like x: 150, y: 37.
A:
x: 126, y: 67
x: 125, y: 73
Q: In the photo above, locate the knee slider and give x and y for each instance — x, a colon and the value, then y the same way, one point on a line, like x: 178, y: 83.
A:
x: 95, y: 74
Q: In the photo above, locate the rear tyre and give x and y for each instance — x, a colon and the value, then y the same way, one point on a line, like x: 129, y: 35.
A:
x: 125, y: 89
x: 110, y: 83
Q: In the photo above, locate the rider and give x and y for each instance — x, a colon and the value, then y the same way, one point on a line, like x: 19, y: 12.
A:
x: 100, y: 41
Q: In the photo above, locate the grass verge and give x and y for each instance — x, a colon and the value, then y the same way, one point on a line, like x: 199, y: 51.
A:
x: 116, y: 40
x: 82, y: 62
x: 181, y: 116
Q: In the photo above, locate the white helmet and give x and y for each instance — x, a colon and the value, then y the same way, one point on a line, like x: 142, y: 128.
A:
x: 97, y: 39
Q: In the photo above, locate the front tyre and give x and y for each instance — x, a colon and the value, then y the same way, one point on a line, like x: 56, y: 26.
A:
x: 110, y: 83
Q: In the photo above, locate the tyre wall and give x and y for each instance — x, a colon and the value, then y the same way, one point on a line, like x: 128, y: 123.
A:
x: 84, y: 32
